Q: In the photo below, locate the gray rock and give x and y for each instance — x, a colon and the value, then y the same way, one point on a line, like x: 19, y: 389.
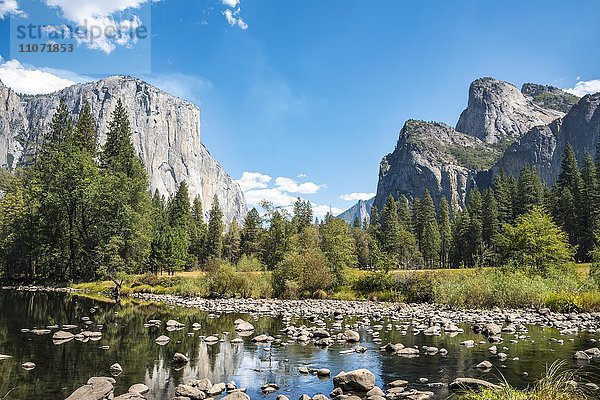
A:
x: 351, y: 336
x: 180, y: 359
x: 62, y: 335
x: 243, y: 326
x: 95, y: 389
x: 581, y: 355
x: 498, y: 111
x: 237, y: 396
x: 484, y: 365
x: 360, y: 380
x: 398, y: 383
x: 116, y: 369
x: 189, y: 391
x: 466, y: 384
x: 139, y: 388
x: 28, y: 366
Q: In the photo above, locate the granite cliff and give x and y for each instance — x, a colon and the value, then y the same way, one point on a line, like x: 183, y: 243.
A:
x: 502, y: 128
x: 166, y: 134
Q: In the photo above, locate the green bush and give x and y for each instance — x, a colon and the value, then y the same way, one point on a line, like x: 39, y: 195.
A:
x: 250, y: 264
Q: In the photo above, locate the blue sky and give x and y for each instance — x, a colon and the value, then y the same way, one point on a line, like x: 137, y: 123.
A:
x: 315, y: 92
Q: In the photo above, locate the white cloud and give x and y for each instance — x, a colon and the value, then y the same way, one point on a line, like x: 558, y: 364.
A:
x: 10, y: 7
x: 253, y: 180
x: 272, y: 195
x: 291, y: 186
x: 23, y: 79
x: 320, y: 211
x: 357, y: 196
x: 231, y: 3
x: 582, y: 88
x: 301, y: 176
x: 258, y: 187
x: 234, y: 20
x: 99, y: 15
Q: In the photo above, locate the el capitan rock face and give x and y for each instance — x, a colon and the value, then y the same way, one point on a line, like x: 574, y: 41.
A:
x: 165, y: 132
x: 498, y: 112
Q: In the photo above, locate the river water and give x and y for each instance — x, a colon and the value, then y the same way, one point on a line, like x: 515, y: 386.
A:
x: 62, y: 368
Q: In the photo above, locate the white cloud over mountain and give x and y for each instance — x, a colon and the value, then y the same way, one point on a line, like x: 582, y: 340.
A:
x: 582, y: 88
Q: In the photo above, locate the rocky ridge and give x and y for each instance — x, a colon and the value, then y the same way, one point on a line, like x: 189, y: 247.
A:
x: 502, y: 129
x: 166, y: 134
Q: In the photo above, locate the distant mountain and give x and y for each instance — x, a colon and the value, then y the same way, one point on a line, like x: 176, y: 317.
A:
x: 362, y: 209
x: 502, y: 129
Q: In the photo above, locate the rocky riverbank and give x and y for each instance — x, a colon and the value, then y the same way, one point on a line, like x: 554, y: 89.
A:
x: 428, y: 314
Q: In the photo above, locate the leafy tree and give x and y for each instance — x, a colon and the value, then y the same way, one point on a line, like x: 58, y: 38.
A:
x: 337, y: 243
x: 535, y: 242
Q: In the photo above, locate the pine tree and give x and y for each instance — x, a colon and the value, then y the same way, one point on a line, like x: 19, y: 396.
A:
x: 569, y: 176
x: 214, y: 240
x: 179, y: 208
x: 251, y: 233
x: 232, y: 242
x: 159, y: 244
x: 303, y: 214
x: 503, y: 197
x: 404, y: 215
x: 490, y: 217
x: 390, y: 231
x: 445, y: 231
x: 123, y: 201
x: 568, y: 197
x: 588, y: 209
x: 356, y: 222
x: 198, y: 232
x: 85, y: 131
x: 430, y: 236
x: 275, y: 242
x: 529, y: 191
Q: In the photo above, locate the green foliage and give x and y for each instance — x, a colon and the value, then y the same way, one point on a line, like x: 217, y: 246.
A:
x: 535, y: 242
x: 302, y: 273
x: 214, y: 237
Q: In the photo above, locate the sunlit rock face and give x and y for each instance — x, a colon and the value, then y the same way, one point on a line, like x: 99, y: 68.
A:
x: 166, y: 134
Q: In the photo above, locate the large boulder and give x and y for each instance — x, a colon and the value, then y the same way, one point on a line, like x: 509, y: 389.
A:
x: 95, y: 389
x: 243, y: 326
x: 360, y: 380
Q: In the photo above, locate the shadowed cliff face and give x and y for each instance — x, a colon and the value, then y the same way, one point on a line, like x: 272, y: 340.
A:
x: 165, y: 132
x: 434, y: 157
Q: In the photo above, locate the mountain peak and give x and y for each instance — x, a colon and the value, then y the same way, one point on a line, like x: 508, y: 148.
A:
x: 549, y: 97
x: 497, y: 112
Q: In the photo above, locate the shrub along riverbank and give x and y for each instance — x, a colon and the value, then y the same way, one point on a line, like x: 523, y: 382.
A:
x: 561, y: 291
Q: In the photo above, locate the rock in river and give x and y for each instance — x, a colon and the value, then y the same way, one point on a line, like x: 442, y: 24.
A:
x: 62, y: 335
x: 180, y: 359
x: 95, y: 389
x: 116, y: 369
x: 190, y: 392
x: 243, y: 326
x: 139, y: 388
x: 360, y: 380
x: 467, y: 384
